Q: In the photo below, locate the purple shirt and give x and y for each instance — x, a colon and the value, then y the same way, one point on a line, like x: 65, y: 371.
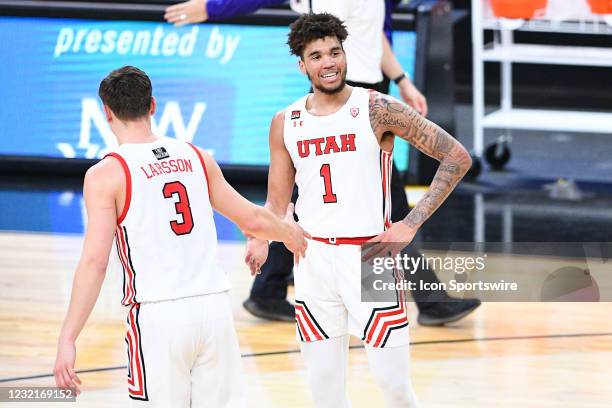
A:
x: 224, y: 9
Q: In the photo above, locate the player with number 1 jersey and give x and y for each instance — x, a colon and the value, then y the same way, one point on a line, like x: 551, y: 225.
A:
x: 335, y: 143
x: 343, y: 175
x: 343, y: 179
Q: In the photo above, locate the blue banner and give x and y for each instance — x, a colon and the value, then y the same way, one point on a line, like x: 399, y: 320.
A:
x: 216, y: 85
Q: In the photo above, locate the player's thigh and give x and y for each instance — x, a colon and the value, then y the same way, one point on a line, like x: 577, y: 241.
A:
x: 216, y: 376
x: 161, y: 350
x: 319, y: 311
x: 377, y: 323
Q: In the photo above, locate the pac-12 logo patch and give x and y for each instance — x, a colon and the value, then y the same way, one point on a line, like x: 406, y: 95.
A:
x: 160, y: 153
x: 354, y: 111
x: 295, y: 114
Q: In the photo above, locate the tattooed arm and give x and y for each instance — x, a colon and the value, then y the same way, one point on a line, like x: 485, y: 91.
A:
x: 390, y: 117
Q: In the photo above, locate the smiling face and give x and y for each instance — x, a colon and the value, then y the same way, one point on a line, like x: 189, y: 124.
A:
x: 324, y: 61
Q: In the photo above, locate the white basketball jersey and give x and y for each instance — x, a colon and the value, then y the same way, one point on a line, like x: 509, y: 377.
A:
x: 343, y: 176
x: 166, y: 239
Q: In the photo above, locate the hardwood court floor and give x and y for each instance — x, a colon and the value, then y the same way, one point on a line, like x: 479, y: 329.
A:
x: 504, y: 355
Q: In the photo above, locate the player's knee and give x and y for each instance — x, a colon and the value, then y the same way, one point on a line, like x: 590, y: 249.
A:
x: 399, y: 394
x: 328, y: 386
x: 325, y: 377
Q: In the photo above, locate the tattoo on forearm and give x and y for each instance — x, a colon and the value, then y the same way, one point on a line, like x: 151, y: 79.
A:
x: 443, y: 142
x: 417, y: 217
x: 450, y: 168
x: 389, y: 115
x: 448, y: 175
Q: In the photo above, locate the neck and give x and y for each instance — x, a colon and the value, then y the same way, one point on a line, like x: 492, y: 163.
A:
x: 134, y: 132
x: 322, y: 103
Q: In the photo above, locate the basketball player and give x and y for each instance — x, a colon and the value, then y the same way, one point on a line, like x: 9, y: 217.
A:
x: 336, y: 145
x: 156, y: 196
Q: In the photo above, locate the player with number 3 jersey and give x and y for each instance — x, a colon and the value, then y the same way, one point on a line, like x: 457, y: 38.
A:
x: 167, y: 184
x: 152, y: 199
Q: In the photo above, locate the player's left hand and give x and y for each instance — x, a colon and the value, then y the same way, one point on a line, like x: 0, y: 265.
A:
x: 256, y: 255
x: 412, y: 96
x: 187, y: 12
x: 389, y: 243
x: 63, y: 371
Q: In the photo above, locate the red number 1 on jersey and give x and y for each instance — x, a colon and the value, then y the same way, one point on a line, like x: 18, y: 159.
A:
x: 182, y: 207
x: 329, y: 196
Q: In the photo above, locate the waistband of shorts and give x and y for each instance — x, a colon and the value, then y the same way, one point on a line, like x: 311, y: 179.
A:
x: 344, y: 241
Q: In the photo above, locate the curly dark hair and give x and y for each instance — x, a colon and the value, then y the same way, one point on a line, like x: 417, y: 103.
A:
x: 311, y: 27
x: 127, y: 92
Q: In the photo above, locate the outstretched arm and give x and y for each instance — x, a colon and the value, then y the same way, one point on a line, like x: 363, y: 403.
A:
x: 99, y: 190
x: 253, y: 220
x: 390, y: 117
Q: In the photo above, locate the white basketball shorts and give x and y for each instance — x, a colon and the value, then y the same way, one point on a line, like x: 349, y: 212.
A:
x: 184, y: 353
x: 328, y: 300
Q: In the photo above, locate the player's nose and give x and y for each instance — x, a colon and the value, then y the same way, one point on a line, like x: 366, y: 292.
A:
x: 328, y: 62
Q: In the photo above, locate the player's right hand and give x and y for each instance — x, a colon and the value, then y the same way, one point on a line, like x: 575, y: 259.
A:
x: 65, y: 377
x: 297, y: 242
x: 256, y: 254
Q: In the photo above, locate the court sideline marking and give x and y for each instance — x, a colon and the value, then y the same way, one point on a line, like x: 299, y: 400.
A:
x: 295, y: 351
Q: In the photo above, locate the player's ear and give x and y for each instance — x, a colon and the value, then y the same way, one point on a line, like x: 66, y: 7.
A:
x: 302, y: 66
x: 153, y: 106
x: 108, y: 113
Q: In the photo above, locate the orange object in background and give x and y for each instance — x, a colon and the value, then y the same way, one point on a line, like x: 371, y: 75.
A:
x: 601, y: 6
x: 517, y: 8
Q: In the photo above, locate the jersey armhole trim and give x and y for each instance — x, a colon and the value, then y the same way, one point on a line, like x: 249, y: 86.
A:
x: 370, y: 91
x: 128, y: 186
x: 203, y: 166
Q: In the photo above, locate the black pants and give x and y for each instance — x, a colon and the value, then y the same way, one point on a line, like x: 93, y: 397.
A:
x: 271, y: 283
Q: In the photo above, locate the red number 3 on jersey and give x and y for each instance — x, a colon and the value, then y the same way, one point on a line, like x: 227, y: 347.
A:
x: 182, y: 207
